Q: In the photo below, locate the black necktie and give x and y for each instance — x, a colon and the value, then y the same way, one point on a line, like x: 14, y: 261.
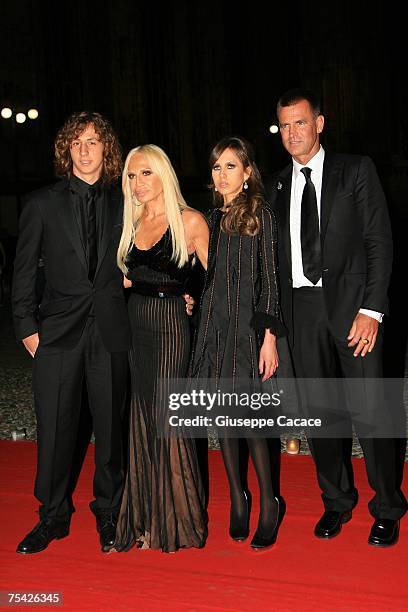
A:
x: 309, y: 231
x: 91, y: 234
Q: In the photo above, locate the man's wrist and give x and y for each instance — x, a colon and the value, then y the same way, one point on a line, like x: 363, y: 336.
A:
x: 378, y: 316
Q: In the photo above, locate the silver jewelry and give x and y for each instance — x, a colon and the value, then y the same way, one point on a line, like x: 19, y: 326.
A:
x: 245, y: 185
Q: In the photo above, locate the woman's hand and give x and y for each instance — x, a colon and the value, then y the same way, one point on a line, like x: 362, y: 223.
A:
x: 190, y: 301
x: 268, y: 357
x: 126, y: 282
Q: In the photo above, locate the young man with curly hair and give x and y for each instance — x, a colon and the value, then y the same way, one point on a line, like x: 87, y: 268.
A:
x: 77, y: 331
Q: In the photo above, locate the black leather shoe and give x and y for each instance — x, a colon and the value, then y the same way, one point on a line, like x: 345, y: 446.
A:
x: 384, y: 532
x: 106, y: 527
x: 261, y: 540
x: 331, y: 523
x: 239, y: 527
x: 44, y: 532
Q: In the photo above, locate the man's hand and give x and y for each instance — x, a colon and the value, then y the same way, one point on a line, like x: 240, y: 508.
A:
x: 363, y: 334
x: 189, y: 303
x: 31, y: 343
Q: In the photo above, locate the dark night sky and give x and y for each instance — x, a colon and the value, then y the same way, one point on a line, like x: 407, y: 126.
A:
x: 184, y: 74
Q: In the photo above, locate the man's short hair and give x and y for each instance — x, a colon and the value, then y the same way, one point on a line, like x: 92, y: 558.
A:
x: 293, y: 96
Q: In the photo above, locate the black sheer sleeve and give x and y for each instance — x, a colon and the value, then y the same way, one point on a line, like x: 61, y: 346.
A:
x: 267, y: 312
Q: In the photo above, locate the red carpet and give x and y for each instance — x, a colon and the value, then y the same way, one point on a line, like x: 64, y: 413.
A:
x: 298, y: 573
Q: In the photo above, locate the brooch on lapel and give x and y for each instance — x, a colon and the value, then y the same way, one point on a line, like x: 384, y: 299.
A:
x: 279, y: 186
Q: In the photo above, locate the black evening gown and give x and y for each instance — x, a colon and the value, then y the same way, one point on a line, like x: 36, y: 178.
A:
x: 163, y: 504
x: 240, y: 301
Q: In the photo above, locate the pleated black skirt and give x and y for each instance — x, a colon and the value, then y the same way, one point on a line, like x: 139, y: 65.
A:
x: 163, y: 503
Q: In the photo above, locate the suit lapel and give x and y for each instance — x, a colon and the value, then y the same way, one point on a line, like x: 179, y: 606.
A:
x: 330, y: 182
x: 284, y: 185
x: 109, y: 213
x: 69, y: 220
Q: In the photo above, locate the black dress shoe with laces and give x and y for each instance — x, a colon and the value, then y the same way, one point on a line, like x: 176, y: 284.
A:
x: 263, y: 540
x: 106, y: 527
x: 384, y: 532
x: 239, y: 527
x: 44, y: 532
x: 329, y: 526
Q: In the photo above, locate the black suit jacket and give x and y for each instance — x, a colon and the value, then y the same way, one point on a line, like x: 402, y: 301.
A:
x: 355, y: 236
x: 49, y: 230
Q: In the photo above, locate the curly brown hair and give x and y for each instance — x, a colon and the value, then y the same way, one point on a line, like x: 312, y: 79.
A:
x: 72, y: 128
x: 242, y: 216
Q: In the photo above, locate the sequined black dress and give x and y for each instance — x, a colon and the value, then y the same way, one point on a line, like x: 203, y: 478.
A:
x: 240, y: 300
x: 163, y: 501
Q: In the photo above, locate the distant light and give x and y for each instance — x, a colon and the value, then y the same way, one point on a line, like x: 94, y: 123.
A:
x: 6, y: 112
x: 274, y: 129
x: 20, y: 117
x: 33, y: 113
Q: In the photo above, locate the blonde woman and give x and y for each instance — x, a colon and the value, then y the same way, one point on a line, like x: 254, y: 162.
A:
x: 163, y: 501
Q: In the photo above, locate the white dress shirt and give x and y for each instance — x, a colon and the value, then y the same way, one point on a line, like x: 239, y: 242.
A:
x: 298, y: 184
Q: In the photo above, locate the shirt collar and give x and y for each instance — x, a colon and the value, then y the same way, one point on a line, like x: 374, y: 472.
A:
x: 316, y: 163
x: 81, y: 188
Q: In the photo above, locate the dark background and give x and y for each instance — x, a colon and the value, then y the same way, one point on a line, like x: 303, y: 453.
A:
x: 184, y: 74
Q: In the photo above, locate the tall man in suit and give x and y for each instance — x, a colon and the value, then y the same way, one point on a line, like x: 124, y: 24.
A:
x: 78, y: 333
x: 335, y: 256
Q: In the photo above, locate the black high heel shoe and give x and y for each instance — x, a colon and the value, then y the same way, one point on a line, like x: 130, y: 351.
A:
x: 262, y: 540
x: 239, y: 527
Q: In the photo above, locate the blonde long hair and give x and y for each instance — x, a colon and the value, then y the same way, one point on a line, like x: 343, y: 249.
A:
x: 174, y: 203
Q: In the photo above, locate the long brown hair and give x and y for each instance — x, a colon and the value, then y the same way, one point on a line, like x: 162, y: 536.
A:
x: 72, y: 128
x: 241, y: 217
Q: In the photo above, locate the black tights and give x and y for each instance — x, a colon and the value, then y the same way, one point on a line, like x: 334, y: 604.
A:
x: 261, y: 458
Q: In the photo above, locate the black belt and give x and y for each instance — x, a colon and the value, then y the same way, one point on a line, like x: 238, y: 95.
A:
x: 159, y: 291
